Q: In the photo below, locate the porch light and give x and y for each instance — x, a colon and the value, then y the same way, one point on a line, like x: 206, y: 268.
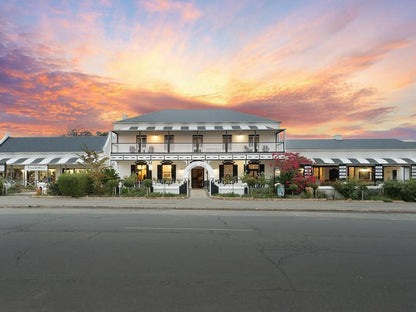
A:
x: 239, y: 137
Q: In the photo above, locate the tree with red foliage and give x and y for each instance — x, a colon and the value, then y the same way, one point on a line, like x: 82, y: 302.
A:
x: 290, y: 165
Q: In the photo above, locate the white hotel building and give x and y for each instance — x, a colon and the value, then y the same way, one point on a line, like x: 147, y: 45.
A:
x: 181, y: 148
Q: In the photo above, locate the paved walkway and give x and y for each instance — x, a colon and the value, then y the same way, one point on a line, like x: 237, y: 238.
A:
x: 26, y: 201
x: 198, y: 193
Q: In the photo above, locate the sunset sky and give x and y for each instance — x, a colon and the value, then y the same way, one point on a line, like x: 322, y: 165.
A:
x: 321, y: 67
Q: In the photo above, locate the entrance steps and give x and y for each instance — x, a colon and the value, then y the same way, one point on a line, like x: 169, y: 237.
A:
x: 198, y: 193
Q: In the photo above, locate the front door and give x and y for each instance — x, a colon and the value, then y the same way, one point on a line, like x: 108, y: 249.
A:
x: 197, y: 177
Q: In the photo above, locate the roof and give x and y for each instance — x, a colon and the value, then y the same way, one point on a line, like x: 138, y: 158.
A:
x: 196, y: 115
x: 53, y: 144
x: 349, y: 144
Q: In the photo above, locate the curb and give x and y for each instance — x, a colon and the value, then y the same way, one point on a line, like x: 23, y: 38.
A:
x: 385, y: 211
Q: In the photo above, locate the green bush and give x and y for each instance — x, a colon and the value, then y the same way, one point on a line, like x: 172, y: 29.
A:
x: 53, y: 189
x: 128, y: 182
x: 110, y: 185
x: 349, y: 189
x: 409, y: 191
x: 109, y: 174
x: 393, y: 189
x: 74, y: 185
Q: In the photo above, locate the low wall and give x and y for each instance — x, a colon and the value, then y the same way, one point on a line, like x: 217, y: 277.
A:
x: 166, y: 188
x: 231, y: 188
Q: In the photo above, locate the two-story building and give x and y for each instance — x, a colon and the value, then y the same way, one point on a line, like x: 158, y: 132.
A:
x: 197, y: 145
x: 181, y: 148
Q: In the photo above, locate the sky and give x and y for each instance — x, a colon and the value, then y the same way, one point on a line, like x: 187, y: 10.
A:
x: 322, y: 68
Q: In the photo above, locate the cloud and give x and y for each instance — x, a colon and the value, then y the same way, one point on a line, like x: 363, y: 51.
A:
x: 317, y: 70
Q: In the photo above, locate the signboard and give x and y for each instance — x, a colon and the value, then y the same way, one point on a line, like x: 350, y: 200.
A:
x: 36, y: 167
x: 342, y: 171
x: 307, y: 172
x: 413, y: 173
x: 378, y: 172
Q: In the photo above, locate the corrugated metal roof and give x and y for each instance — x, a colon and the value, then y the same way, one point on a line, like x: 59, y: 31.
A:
x: 196, y: 115
x: 53, y: 144
x: 349, y: 144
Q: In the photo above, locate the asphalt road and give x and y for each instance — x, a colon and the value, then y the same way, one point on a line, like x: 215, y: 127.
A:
x: 148, y: 260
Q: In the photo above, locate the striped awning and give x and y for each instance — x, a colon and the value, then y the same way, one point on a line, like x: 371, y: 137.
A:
x: 42, y: 161
x: 364, y: 161
x: 196, y: 127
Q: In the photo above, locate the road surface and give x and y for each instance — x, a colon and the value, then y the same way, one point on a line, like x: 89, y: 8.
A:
x: 166, y: 260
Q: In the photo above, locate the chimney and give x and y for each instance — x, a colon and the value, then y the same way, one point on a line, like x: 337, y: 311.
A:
x: 338, y: 137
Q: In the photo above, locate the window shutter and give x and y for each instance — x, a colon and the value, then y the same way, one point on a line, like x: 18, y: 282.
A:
x: 261, y: 168
x: 235, y: 171
x: 133, y: 169
x: 221, y: 172
x: 149, y: 172
x: 159, y: 172
x: 173, y: 173
x: 246, y: 169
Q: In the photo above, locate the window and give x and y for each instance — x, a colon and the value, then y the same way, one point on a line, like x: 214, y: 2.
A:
x: 197, y: 143
x: 141, y: 172
x: 169, y: 142
x: 141, y: 141
x: 167, y: 171
x: 253, y: 170
x: 226, y: 142
x: 228, y: 170
x: 253, y: 141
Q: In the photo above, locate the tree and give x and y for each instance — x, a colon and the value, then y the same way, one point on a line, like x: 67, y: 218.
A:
x: 77, y: 132
x: 92, y: 161
x: 290, y: 165
x: 95, y: 165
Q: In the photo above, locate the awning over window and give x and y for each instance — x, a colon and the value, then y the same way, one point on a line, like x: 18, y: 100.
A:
x: 364, y: 161
x: 42, y: 161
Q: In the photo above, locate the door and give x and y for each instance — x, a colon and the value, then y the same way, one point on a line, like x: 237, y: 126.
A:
x: 197, y: 177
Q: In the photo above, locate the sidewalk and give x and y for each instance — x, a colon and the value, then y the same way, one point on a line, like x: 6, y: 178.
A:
x: 27, y: 201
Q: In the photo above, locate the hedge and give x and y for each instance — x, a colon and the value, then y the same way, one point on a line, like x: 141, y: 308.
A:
x: 75, y: 185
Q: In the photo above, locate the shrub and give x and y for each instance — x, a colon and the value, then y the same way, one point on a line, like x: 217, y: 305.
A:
x: 110, y: 185
x: 110, y: 174
x: 393, y: 189
x: 349, y: 189
x: 74, y: 185
x: 128, y: 182
x: 409, y: 191
x: 1, y: 185
x: 53, y: 189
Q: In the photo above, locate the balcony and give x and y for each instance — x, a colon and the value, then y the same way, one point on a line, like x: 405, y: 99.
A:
x: 191, y: 148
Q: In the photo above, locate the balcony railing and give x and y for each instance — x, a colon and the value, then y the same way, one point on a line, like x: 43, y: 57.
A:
x: 159, y: 148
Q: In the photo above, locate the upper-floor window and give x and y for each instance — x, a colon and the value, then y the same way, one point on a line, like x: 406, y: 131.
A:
x: 253, y: 141
x: 141, y: 141
x: 197, y: 143
x: 226, y: 142
x: 169, y: 140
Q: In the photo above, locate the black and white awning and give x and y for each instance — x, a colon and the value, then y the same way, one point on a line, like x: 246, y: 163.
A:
x: 41, y: 161
x: 365, y: 161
